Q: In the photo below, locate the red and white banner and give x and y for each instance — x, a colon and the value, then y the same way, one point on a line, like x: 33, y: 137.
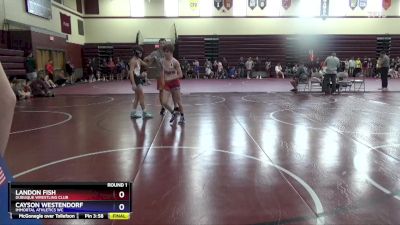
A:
x: 353, y: 4
x: 65, y: 23
x: 386, y: 4
x: 286, y: 4
x: 228, y: 4
x: 252, y: 4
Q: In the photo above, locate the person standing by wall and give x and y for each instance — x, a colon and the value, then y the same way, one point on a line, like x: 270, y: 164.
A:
x: 30, y: 65
x: 332, y: 64
x: 384, y: 69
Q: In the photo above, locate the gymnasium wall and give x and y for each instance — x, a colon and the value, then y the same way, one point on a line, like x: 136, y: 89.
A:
x: 124, y: 30
x: 115, y: 15
x: 15, y: 12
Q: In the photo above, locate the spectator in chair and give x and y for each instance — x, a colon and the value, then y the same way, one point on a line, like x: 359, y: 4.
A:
x: 299, y: 76
x: 279, y: 72
x: 208, y: 69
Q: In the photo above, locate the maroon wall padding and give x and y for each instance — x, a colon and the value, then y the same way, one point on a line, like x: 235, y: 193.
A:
x: 42, y: 41
x: 79, y: 6
x: 91, y: 6
x: 74, y: 53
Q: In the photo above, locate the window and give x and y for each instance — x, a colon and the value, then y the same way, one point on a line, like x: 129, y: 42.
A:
x: 137, y: 8
x: 81, y: 31
x: 171, y: 8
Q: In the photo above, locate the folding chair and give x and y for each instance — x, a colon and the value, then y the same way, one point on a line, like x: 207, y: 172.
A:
x: 315, y: 84
x: 359, y: 84
x: 303, y: 86
x: 343, y: 83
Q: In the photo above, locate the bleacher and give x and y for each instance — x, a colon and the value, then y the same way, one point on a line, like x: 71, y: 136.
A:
x: 13, y: 62
x: 286, y: 49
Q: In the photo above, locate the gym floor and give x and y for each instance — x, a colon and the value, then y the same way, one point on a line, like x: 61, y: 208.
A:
x: 241, y: 158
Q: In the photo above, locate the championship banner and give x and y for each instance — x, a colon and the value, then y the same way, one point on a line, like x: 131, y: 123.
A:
x: 286, y: 4
x: 228, y: 4
x: 324, y: 8
x: 353, y: 4
x: 252, y: 4
x: 262, y: 3
x: 362, y: 4
x: 194, y: 5
x: 218, y: 4
x: 65, y: 23
x: 386, y: 4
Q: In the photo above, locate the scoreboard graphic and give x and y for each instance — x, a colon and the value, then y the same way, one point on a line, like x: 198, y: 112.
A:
x: 110, y: 200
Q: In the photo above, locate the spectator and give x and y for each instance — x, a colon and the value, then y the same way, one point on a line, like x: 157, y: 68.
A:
x: 40, y: 89
x: 278, y: 71
x: 225, y: 64
x: 365, y: 66
x: 258, y: 67
x: 357, y: 70
x: 268, y: 67
x: 30, y: 65
x: 69, y: 68
x: 241, y: 67
x: 21, y: 89
x: 384, y: 68
x: 332, y: 64
x: 111, y: 68
x: 220, y: 71
x: 352, y: 66
x: 215, y: 68
x: 89, y: 70
x: 208, y: 69
x: 50, y: 70
x: 196, y: 69
x: 120, y: 69
x: 184, y: 67
x: 249, y: 67
x: 299, y: 76
x: 50, y: 84
x: 62, y: 80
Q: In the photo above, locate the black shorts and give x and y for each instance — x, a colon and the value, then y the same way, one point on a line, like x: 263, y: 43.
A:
x: 139, y: 80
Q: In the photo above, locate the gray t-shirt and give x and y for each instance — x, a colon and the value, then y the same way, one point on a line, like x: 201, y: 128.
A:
x: 385, y: 61
x: 332, y: 64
